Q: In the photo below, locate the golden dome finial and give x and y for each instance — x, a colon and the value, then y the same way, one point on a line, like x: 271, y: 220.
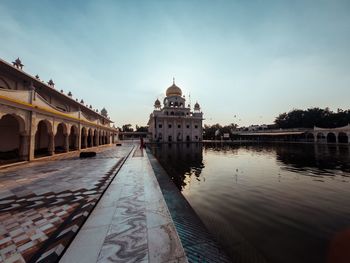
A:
x: 173, y: 90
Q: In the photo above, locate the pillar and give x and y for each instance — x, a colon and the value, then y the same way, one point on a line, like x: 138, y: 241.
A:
x: 86, y: 140
x: 51, y: 148
x: 97, y: 140
x: 24, y: 147
x: 66, y: 143
x: 78, y: 140
x: 33, y: 128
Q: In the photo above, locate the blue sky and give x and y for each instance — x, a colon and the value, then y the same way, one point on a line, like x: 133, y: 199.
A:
x: 249, y: 59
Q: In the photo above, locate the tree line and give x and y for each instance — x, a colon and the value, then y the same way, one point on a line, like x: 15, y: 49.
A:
x: 323, y: 118
x: 211, y: 132
x: 129, y: 128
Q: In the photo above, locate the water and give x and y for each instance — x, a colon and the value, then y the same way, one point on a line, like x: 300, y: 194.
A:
x: 268, y: 203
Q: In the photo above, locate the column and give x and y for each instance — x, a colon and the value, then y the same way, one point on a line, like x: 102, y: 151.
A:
x: 66, y: 143
x: 51, y: 148
x: 86, y: 140
x: 96, y: 138
x: 24, y: 147
x: 33, y: 128
x: 78, y: 139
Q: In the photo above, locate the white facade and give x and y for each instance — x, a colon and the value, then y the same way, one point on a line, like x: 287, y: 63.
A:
x: 174, y: 122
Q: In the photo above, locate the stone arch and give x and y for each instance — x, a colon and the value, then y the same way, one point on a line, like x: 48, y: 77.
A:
x: 11, y: 131
x: 60, y: 138
x: 331, y: 137
x: 310, y: 137
x: 343, y: 137
x: 44, y: 144
x: 89, y: 138
x: 73, y: 138
x: 321, y: 137
x: 83, y: 136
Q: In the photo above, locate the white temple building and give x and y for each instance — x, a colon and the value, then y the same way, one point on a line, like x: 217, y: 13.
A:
x: 174, y: 122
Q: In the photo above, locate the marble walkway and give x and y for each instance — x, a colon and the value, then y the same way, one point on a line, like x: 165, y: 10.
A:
x: 43, y: 204
x: 131, y: 222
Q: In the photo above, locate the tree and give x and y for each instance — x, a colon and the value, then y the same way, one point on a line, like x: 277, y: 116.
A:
x: 210, y: 131
x: 127, y: 128
x: 141, y: 128
x: 324, y: 118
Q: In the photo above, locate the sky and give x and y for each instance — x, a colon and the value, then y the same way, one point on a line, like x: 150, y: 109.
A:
x: 245, y: 62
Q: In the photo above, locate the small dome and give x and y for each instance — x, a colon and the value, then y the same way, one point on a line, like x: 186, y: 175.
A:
x: 157, y: 104
x: 196, y: 106
x: 173, y: 90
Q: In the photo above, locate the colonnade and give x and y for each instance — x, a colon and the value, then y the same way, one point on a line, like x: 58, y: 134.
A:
x: 328, y: 137
x: 23, y: 138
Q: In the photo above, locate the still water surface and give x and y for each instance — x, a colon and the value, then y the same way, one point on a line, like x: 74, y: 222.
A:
x: 268, y: 203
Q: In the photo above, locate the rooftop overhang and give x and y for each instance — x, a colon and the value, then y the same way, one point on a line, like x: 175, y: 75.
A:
x: 37, y: 83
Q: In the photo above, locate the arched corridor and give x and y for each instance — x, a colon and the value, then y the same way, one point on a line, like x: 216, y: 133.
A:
x: 38, y: 119
x: 10, y: 138
x: 43, y: 139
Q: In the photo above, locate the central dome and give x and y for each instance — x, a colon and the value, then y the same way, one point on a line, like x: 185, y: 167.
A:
x: 173, y: 90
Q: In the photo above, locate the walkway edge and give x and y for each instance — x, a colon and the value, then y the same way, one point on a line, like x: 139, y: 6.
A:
x: 198, y: 243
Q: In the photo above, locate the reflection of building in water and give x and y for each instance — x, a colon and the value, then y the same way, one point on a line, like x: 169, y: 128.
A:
x: 180, y: 160
x: 174, y: 122
x: 317, y: 159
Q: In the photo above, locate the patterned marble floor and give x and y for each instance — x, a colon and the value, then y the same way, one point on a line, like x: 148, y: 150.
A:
x: 43, y: 204
x: 131, y: 222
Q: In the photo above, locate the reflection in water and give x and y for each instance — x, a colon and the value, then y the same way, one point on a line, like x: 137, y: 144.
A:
x: 183, y: 161
x: 277, y: 202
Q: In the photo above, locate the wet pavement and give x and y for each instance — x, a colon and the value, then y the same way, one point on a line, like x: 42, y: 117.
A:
x: 43, y: 204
